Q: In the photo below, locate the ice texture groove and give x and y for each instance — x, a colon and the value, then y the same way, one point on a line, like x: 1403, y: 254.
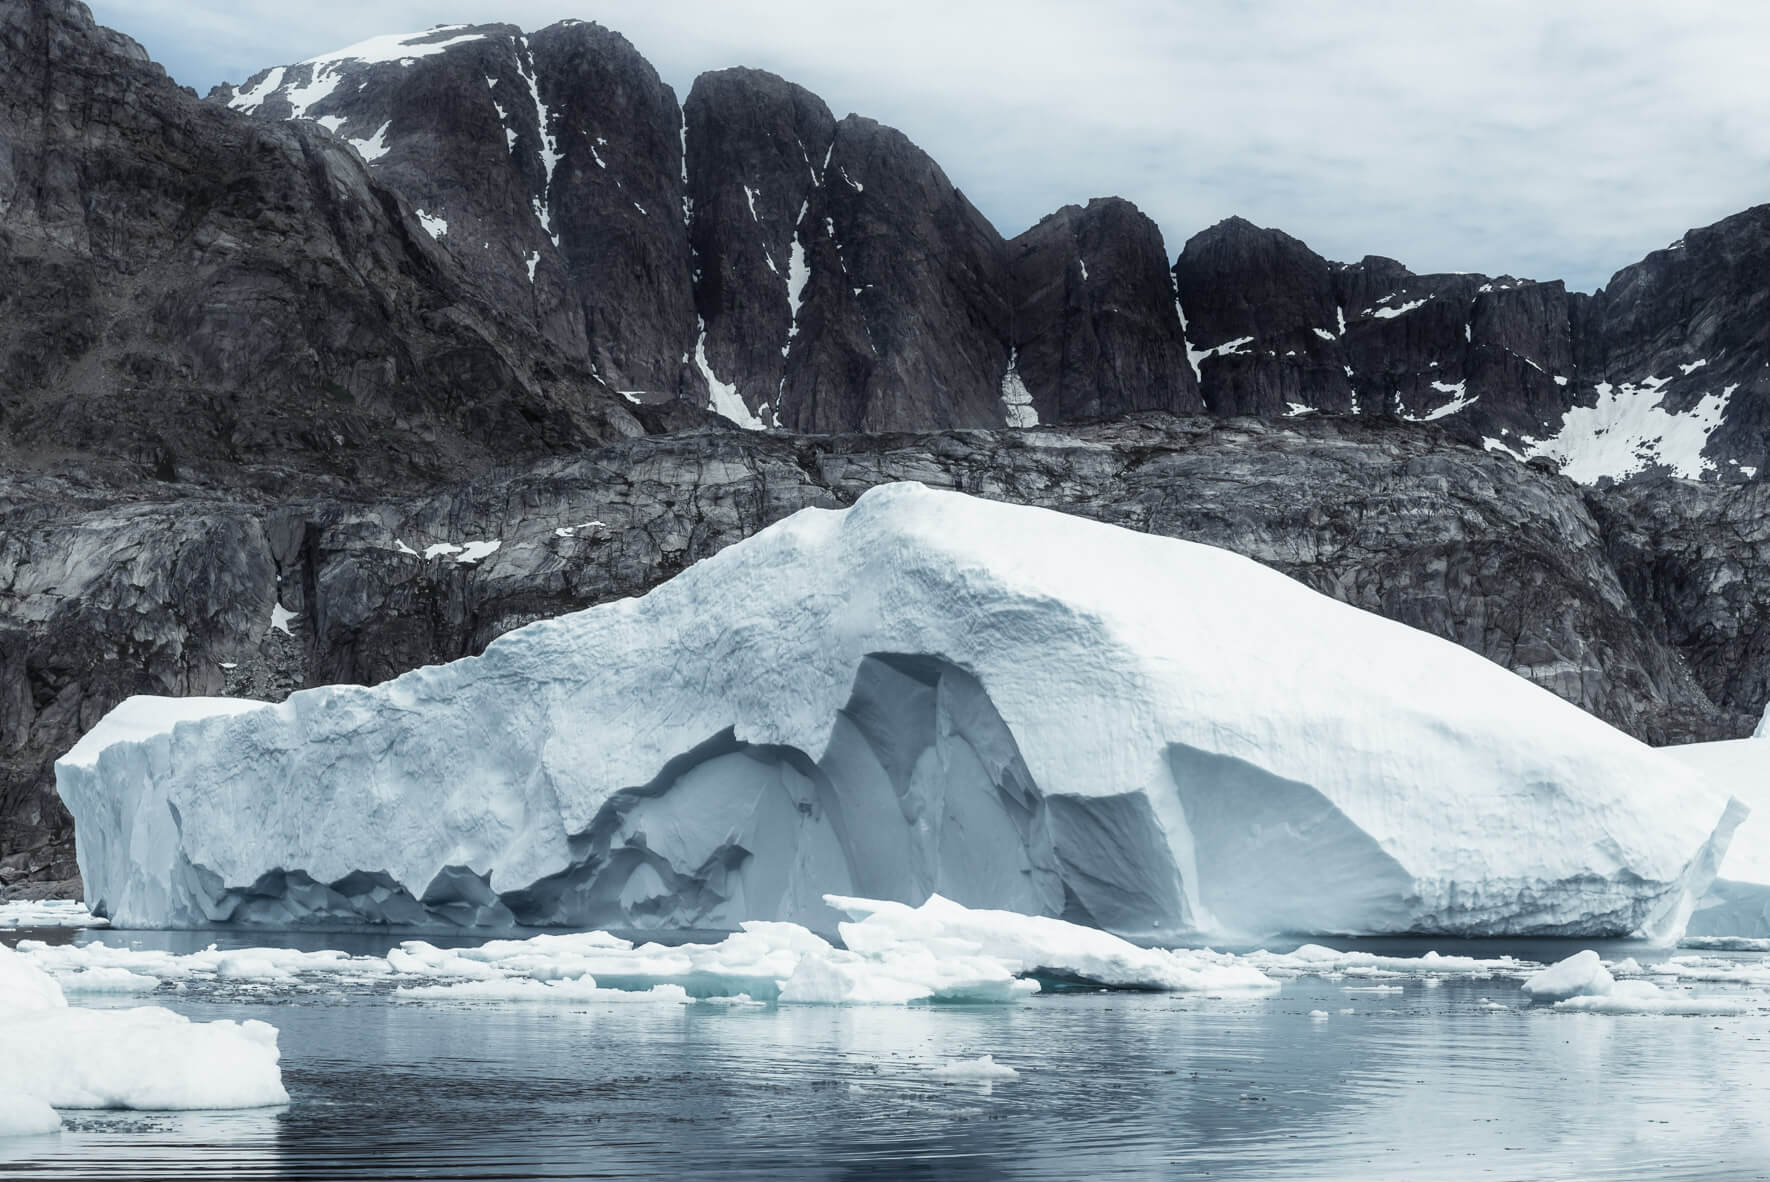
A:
x: 925, y: 693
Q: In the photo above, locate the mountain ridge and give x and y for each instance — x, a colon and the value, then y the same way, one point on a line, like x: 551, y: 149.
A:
x: 914, y: 305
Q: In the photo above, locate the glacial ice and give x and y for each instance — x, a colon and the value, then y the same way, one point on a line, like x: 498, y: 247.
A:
x: 893, y: 955
x: 23, y: 1115
x: 1737, y: 904
x: 924, y: 694
x: 48, y: 913
x: 143, y: 1058
x: 1582, y: 974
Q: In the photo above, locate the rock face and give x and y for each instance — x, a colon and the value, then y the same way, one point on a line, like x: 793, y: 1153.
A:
x: 1661, y: 371
x: 1096, y: 333
x: 549, y: 168
x: 824, y: 276
x: 1632, y: 613
x: 193, y: 293
x: 829, y: 277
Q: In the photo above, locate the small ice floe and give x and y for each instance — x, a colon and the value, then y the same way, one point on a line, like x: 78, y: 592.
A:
x: 1581, y: 975
x: 982, y: 1068
x: 1318, y: 1015
x: 49, y: 913
x: 143, y: 1058
x: 25, y: 1116
x: 1583, y: 984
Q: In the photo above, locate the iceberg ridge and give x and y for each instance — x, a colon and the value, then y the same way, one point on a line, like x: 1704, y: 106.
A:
x: 924, y: 694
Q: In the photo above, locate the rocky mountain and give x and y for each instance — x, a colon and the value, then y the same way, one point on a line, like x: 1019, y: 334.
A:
x: 1661, y: 371
x: 825, y: 274
x: 839, y: 281
x: 193, y: 293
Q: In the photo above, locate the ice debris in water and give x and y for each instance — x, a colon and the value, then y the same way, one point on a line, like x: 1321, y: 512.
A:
x: 143, y: 1058
x: 48, y: 913
x: 894, y: 954
x: 23, y: 1115
x: 984, y: 1067
x: 1583, y: 983
x: 1582, y: 974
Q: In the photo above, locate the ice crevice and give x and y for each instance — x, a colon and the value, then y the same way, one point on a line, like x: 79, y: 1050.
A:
x: 1152, y: 737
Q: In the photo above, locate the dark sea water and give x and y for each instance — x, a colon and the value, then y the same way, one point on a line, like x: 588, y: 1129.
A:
x: 1423, y: 1083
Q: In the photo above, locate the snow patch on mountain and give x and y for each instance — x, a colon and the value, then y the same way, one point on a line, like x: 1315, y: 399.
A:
x: 1017, y: 400
x: 722, y: 397
x: 1628, y: 431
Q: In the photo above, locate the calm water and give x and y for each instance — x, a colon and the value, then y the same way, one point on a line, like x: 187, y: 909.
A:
x: 1421, y: 1083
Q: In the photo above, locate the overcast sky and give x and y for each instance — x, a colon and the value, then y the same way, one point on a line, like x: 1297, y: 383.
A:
x: 1547, y: 140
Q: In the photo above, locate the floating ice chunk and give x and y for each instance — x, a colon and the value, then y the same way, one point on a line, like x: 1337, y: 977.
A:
x: 147, y: 1058
x: 1324, y: 334
x: 1318, y: 1015
x: 1644, y: 997
x: 56, y: 913
x: 23, y: 1115
x: 1581, y: 975
x: 104, y: 979
x: 1036, y: 945
x: 984, y: 1067
x: 576, y: 991
x: 74, y: 962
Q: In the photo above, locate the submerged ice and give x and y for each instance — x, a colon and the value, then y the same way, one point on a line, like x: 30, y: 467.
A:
x: 925, y: 694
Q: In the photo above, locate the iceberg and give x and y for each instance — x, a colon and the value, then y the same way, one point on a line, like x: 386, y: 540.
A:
x: 1737, y: 904
x: 923, y: 694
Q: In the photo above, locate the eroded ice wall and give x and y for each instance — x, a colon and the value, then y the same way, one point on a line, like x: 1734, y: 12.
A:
x: 925, y: 693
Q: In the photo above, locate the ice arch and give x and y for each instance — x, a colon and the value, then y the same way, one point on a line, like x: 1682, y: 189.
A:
x: 924, y: 692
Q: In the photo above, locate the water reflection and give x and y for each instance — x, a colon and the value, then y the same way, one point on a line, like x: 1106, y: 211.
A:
x: 1421, y: 1083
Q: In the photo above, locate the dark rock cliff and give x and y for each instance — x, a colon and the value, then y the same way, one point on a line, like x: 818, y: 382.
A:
x: 193, y: 293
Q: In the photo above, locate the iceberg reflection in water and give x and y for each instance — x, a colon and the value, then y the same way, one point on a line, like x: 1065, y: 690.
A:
x: 1364, y: 1072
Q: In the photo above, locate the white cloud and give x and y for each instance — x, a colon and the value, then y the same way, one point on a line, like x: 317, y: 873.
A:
x: 1554, y: 141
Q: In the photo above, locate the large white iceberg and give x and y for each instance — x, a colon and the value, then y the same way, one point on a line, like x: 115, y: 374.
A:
x: 924, y: 693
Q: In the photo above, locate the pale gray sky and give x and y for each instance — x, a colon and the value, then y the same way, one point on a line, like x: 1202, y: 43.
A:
x: 1549, y: 140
